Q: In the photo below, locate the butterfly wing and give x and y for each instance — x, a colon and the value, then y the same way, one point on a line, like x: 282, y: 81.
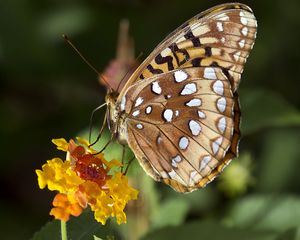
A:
x: 220, y: 36
x: 181, y: 106
x: 182, y: 134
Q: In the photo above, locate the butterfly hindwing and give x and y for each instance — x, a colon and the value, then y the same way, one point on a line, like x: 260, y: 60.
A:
x: 181, y: 133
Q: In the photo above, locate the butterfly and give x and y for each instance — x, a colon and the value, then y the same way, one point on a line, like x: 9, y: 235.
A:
x: 179, y: 111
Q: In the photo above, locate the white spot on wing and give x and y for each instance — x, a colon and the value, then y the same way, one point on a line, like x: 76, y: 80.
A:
x: 237, y: 56
x: 188, y: 89
x: 195, y: 127
x: 158, y: 140
x: 176, y: 160
x: 139, y: 126
x: 221, y: 104
x: 216, y: 145
x: 183, y: 143
x: 180, y: 76
x: 210, y: 73
x: 175, y: 176
x: 201, y: 114
x: 165, y: 52
x: 136, y: 113
x: 218, y: 87
x: 138, y: 101
x: 168, y: 115
x: 243, y: 18
x: 223, y: 40
x: 242, y: 43
x: 164, y: 174
x: 245, y: 31
x: 148, y: 110
x: 223, y: 17
x: 123, y: 102
x: 222, y: 124
x: 193, y: 179
x: 194, y: 102
x: 220, y: 27
x: 172, y: 174
x: 204, y: 162
x: 156, y: 88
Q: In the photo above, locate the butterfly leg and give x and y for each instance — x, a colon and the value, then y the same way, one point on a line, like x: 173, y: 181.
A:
x: 123, y: 157
x: 128, y: 164
x: 101, y: 130
x: 105, y: 146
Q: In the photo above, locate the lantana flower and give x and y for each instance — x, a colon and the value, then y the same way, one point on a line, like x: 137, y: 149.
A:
x: 84, y: 179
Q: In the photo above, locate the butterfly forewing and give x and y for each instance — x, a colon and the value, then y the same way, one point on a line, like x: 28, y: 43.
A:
x: 221, y: 36
x: 181, y: 106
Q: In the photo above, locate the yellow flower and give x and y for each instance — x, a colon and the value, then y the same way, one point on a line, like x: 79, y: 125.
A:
x: 83, y: 180
x: 58, y: 175
x: 115, y: 200
x: 61, y: 144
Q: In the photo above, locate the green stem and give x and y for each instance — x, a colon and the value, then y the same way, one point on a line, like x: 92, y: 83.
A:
x: 63, y: 230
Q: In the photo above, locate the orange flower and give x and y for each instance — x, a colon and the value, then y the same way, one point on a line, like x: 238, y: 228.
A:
x: 63, y: 207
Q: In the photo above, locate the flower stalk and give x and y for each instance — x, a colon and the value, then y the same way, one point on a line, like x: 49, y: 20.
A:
x: 63, y: 230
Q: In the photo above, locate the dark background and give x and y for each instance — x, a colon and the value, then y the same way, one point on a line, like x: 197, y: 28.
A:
x: 48, y: 92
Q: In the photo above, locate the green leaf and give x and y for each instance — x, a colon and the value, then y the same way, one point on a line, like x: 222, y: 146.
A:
x: 279, y: 160
x: 50, y: 230
x: 208, y: 230
x: 237, y: 176
x: 172, y: 212
x: 290, y: 234
x: 97, y: 238
x: 266, y: 212
x: 264, y: 108
x: 83, y: 227
x: 203, y: 200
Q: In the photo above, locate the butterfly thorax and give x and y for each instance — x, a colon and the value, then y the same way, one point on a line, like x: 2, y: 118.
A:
x: 116, y: 119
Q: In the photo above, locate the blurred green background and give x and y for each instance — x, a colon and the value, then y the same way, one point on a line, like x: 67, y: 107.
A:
x: 48, y: 92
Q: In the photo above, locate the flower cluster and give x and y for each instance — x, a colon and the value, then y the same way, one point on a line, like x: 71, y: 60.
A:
x: 85, y: 179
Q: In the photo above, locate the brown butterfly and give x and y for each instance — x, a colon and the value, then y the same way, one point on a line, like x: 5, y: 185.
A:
x: 179, y: 111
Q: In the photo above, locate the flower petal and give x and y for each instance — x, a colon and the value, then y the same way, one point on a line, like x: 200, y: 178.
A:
x: 61, y: 144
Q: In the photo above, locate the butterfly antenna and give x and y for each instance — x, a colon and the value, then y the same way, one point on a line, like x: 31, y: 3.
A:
x: 68, y: 41
x: 91, y: 124
x: 138, y: 57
